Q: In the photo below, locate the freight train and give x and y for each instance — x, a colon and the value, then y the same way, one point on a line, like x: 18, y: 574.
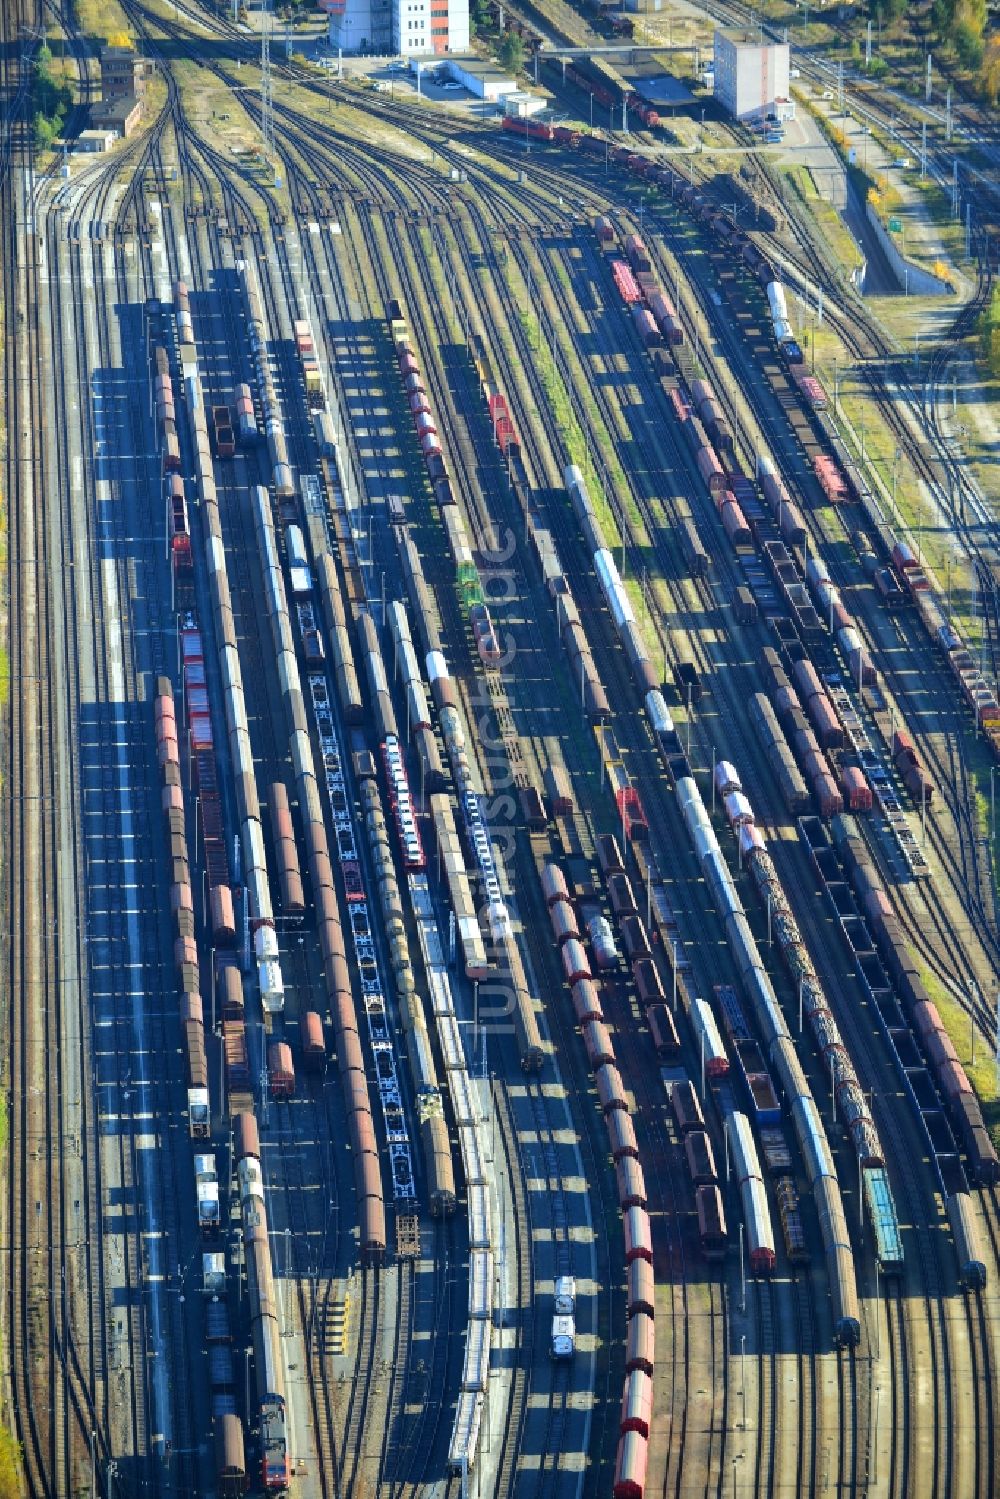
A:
x: 572, y: 634
x: 948, y: 1071
x: 220, y: 914
x: 329, y: 920
x: 594, y: 76
x: 469, y: 789
x: 255, y: 874
x: 781, y: 1051
x: 838, y: 475
x: 633, y: 1445
x: 265, y: 1326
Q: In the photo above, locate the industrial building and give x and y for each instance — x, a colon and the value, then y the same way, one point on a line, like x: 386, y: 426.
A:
x: 751, y: 76
x: 482, y: 79
x: 406, y: 28
x: 119, y: 116
x: 123, y: 74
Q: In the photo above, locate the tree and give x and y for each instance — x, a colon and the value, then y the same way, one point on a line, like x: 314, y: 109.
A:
x: 121, y: 39
x: 968, y: 44
x: 45, y: 131
x: 511, y: 52
x: 989, y: 77
x: 989, y: 331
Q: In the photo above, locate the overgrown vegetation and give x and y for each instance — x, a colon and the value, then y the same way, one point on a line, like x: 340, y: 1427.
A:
x: 10, y: 1452
x: 962, y: 23
x: 989, y: 333
x: 10, y: 1466
x: 51, y: 100
x: 961, y: 34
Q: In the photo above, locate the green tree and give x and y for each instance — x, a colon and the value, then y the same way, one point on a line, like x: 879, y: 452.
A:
x: 942, y: 15
x: 511, y: 52
x: 44, y: 131
x: 989, y: 77
x: 968, y: 44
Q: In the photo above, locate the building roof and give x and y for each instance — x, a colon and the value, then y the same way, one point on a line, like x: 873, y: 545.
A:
x: 738, y: 36
x: 119, y: 54
x: 475, y: 67
x: 661, y: 88
x: 114, y: 111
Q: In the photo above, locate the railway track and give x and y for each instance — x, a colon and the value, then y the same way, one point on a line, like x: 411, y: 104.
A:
x: 960, y: 854
x: 941, y: 1383
x: 70, y: 717
x: 303, y: 1198
x: 467, y: 266
x: 54, y: 1324
x: 372, y: 237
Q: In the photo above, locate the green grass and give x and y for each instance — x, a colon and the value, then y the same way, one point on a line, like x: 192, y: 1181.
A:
x: 982, y: 1074
x: 101, y: 18
x: 832, y: 227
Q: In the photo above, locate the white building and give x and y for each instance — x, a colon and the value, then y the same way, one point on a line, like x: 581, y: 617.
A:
x: 404, y: 28
x: 482, y: 79
x: 751, y: 76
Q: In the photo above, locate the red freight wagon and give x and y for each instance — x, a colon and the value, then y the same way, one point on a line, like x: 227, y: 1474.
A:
x: 313, y: 1043
x: 630, y: 1467
x: 638, y: 1236
x: 628, y: 287
x: 641, y: 1289
x: 610, y: 1093
x: 637, y: 1403
x: 280, y: 1071
x: 640, y: 1342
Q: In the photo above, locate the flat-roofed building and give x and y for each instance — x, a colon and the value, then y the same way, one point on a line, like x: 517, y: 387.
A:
x: 119, y: 115
x: 751, y: 75
x: 407, y: 28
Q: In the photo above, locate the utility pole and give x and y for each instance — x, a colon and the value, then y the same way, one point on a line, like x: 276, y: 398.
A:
x: 968, y: 230
x: 956, y: 197
x: 947, y: 115
x: 840, y: 87
x: 868, y: 46
x: 266, y: 105
x: 927, y: 87
x: 923, y: 152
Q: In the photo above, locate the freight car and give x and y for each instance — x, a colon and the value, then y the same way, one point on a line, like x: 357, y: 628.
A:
x: 663, y: 1031
x: 756, y: 1213
x: 693, y: 549
x: 700, y: 1158
x: 230, y: 1462
x: 712, y: 1232
x: 968, y: 1242
x: 882, y: 1215
x: 265, y: 1328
